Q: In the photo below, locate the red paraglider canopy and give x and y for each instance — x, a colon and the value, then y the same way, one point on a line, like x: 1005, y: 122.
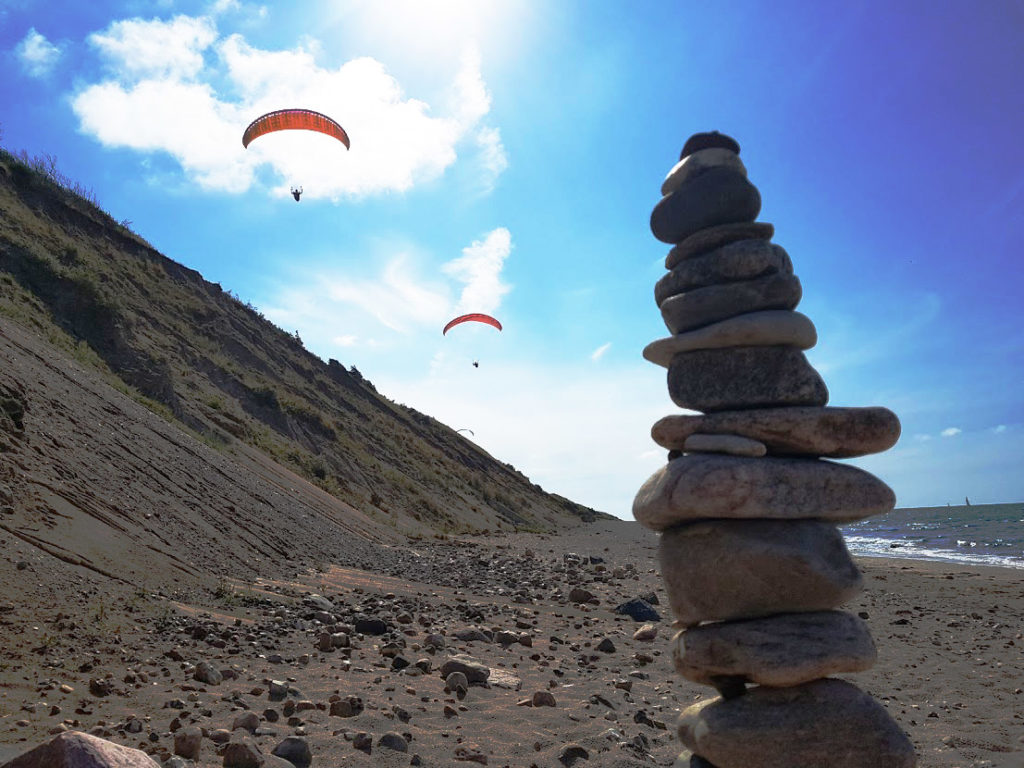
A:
x: 292, y: 119
x: 473, y: 317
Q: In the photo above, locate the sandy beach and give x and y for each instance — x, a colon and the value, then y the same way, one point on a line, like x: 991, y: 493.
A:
x: 950, y: 666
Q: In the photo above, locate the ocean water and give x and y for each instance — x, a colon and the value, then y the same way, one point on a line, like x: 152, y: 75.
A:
x: 979, y: 534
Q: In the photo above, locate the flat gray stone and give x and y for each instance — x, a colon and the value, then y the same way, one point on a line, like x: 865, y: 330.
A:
x: 770, y: 328
x: 714, y: 237
x: 833, y: 432
x: 702, y: 486
x: 713, y: 303
x: 80, y: 750
x: 783, y: 650
x: 742, y: 260
x: 698, y: 162
x: 717, y: 196
x: 744, y: 377
x: 825, y: 723
x: 733, y: 445
x: 723, y: 570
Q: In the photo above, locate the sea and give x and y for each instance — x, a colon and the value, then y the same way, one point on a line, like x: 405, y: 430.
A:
x: 973, y: 534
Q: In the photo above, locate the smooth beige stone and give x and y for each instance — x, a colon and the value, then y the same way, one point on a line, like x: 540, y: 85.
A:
x: 723, y: 570
x: 699, y: 161
x: 837, y: 433
x: 728, y: 378
x: 787, y: 649
x: 823, y: 724
x: 772, y: 327
x: 714, y: 303
x: 733, y: 445
x: 742, y: 260
x: 704, y: 486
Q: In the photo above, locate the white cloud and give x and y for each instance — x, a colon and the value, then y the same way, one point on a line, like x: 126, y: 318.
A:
x: 585, y: 438
x: 163, y: 95
x: 951, y: 431
x: 480, y: 268
x: 493, y: 160
x: 999, y: 429
x: 922, y: 438
x: 135, y: 48
x: 334, y: 309
x: 598, y: 353
x: 223, y: 6
x: 37, y: 54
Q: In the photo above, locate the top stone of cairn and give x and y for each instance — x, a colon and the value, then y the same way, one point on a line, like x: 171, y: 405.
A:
x: 709, y: 140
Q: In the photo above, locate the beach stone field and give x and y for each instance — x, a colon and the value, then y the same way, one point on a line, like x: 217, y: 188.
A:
x: 511, y: 650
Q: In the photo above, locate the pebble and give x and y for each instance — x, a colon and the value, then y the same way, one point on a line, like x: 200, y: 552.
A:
x: 725, y: 570
x: 837, y: 723
x: 717, y: 196
x: 295, y: 750
x: 474, y: 671
x: 830, y: 432
x: 744, y: 377
x: 395, y: 741
x: 638, y: 609
x: 188, y: 741
x: 714, y: 303
x: 697, y: 162
x: 712, y: 486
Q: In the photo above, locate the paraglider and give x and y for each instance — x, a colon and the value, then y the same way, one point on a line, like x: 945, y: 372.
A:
x: 290, y: 120
x: 294, y: 119
x: 473, y: 317
x: 466, y: 430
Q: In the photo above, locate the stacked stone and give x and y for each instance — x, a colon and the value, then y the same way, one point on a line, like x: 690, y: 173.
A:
x: 748, y: 503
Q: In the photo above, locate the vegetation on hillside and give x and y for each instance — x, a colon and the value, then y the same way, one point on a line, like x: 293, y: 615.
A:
x: 199, y: 356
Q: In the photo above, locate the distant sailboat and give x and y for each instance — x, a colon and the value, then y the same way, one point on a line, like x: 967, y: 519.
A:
x: 967, y: 500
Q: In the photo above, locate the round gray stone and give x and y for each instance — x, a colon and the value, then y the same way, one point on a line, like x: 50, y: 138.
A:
x: 769, y: 328
x: 708, y: 140
x: 788, y: 649
x: 713, y: 303
x: 744, y: 377
x: 702, y: 486
x: 717, y: 196
x: 713, y: 237
x: 833, y: 432
x: 742, y: 260
x: 823, y: 723
x: 723, y: 570
x: 697, y: 163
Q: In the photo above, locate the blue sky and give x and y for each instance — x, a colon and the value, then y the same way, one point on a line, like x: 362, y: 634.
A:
x: 505, y: 158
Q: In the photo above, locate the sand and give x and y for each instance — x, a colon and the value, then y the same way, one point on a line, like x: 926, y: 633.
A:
x: 950, y: 666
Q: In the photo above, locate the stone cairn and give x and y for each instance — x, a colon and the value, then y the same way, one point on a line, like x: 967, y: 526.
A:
x: 747, y: 507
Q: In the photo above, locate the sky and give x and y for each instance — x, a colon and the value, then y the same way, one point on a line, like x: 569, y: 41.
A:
x: 505, y: 157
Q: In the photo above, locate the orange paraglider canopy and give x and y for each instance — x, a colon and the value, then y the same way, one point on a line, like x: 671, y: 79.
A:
x: 294, y: 119
x: 474, y: 317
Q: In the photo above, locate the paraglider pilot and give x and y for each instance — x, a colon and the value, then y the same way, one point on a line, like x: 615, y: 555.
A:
x: 296, y: 193
x: 476, y: 363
